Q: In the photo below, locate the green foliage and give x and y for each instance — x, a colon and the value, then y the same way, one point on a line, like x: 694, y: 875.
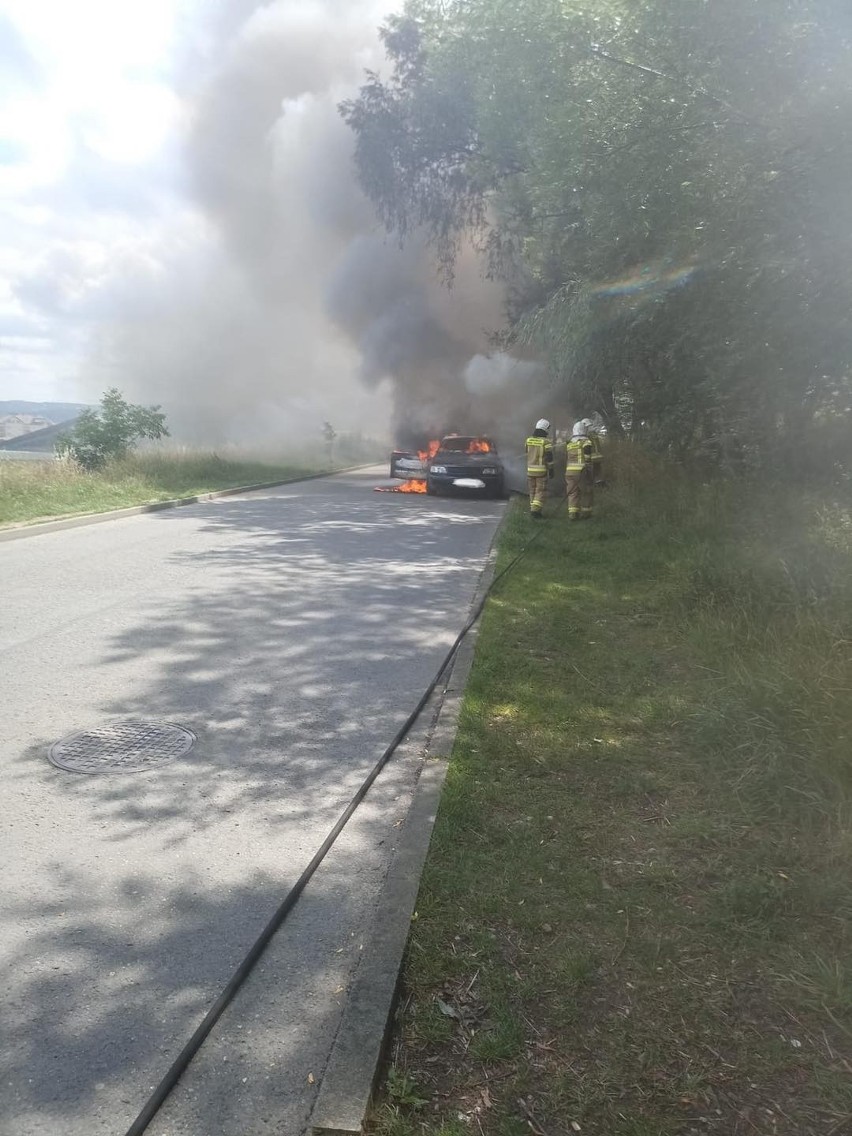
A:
x: 637, y: 899
x: 662, y: 187
x: 401, y: 1090
x: 109, y: 433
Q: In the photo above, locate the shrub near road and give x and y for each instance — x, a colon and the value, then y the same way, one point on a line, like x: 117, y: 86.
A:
x: 634, y: 919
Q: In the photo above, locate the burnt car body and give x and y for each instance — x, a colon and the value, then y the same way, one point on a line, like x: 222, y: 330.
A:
x: 462, y: 463
x: 467, y: 464
x: 408, y: 465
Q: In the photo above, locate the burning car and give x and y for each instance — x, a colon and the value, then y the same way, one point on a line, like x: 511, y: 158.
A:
x: 410, y: 465
x: 458, y: 462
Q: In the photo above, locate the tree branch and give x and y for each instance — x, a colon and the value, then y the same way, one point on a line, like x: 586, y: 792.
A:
x: 695, y: 88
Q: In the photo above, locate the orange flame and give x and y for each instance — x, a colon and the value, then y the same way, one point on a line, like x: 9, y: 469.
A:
x: 406, y: 487
x: 416, y: 485
x: 477, y: 446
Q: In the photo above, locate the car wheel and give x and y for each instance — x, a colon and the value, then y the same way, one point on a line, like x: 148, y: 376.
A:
x: 431, y: 489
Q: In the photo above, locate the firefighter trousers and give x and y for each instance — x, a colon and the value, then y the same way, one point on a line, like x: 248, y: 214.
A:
x: 580, y: 489
x: 537, y: 485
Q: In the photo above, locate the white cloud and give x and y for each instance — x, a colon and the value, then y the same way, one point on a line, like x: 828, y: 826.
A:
x: 39, y: 140
x: 89, y: 96
x: 135, y: 125
x: 80, y: 44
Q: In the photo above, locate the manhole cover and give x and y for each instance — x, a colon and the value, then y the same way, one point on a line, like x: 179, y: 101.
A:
x: 121, y: 747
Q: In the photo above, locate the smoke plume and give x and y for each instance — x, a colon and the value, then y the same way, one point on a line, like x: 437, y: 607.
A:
x: 286, y: 304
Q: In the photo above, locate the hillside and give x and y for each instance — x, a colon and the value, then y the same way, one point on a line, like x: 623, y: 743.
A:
x: 55, y: 411
x: 38, y: 441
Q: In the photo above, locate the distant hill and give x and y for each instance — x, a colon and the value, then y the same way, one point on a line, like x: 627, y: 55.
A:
x: 38, y: 441
x: 55, y: 411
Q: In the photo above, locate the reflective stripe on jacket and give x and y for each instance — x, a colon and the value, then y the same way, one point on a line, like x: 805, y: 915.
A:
x: 539, y: 456
x: 597, y: 448
x: 578, y: 454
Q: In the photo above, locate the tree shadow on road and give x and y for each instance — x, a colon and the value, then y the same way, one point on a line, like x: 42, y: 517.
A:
x: 296, y: 658
x: 106, y: 985
x: 295, y: 654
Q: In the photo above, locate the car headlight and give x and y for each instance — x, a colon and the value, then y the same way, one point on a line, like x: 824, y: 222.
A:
x: 437, y: 469
x: 490, y: 472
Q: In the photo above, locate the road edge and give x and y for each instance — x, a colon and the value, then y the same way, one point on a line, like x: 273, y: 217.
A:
x: 79, y: 520
x: 350, y: 1076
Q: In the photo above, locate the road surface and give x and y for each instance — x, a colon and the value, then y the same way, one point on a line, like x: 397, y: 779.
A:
x: 292, y: 630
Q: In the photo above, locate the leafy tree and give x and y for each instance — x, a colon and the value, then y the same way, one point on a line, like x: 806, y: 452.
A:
x: 111, y: 431
x: 661, y: 186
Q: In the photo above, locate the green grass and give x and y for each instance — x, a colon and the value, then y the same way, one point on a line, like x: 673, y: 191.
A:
x: 30, y: 491
x: 637, y: 902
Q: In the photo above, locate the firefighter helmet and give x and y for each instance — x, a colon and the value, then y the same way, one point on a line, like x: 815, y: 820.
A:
x: 542, y: 424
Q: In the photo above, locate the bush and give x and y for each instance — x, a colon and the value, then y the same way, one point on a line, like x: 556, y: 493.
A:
x: 111, y: 431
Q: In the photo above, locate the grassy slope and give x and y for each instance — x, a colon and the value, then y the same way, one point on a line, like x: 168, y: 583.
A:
x: 635, y: 915
x: 33, y: 490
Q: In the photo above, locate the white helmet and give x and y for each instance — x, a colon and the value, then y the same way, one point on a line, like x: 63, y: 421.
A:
x: 587, y: 424
x: 542, y: 424
x: 579, y: 428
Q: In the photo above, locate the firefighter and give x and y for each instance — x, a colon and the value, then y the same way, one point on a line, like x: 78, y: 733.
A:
x: 539, y: 465
x: 597, y: 452
x: 579, y: 484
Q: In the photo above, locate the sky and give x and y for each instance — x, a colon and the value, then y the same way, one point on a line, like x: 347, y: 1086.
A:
x: 125, y: 251
x: 179, y: 217
x: 89, y: 176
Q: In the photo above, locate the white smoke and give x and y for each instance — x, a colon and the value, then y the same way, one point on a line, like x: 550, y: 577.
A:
x: 288, y: 305
x: 493, y: 374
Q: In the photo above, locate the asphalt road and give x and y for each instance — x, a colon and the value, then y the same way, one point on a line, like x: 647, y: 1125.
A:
x: 292, y: 630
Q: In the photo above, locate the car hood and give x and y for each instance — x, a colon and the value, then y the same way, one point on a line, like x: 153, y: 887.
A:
x: 458, y: 457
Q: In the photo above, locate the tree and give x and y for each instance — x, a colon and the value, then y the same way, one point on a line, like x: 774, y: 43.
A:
x: 660, y: 187
x: 99, y: 436
x: 329, y: 434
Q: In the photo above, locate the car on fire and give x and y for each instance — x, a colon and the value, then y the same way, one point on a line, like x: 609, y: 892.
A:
x: 458, y: 463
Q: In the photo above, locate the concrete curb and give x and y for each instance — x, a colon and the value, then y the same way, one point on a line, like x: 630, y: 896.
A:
x: 19, y: 531
x: 350, y: 1076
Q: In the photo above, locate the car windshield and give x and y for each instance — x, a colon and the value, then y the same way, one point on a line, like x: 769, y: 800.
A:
x: 468, y: 445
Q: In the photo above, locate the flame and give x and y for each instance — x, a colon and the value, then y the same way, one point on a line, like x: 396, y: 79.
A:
x: 477, y: 446
x: 417, y: 485
x: 406, y: 487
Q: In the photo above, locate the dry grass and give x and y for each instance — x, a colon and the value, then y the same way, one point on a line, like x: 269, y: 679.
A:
x: 31, y: 490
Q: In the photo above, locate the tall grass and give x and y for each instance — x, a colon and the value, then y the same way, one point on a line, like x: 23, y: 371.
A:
x: 31, y: 490
x: 760, y: 583
x: 638, y: 900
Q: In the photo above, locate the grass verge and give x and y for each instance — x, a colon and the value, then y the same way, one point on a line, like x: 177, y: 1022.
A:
x: 634, y: 919
x: 31, y: 491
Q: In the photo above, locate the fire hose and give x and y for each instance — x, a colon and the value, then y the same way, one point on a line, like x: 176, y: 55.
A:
x: 180, y: 1064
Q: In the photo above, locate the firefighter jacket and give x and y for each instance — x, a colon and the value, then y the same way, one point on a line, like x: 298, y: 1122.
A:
x: 597, y: 448
x: 539, y: 456
x: 578, y: 454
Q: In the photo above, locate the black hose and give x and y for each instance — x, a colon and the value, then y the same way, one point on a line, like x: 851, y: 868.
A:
x: 179, y: 1065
